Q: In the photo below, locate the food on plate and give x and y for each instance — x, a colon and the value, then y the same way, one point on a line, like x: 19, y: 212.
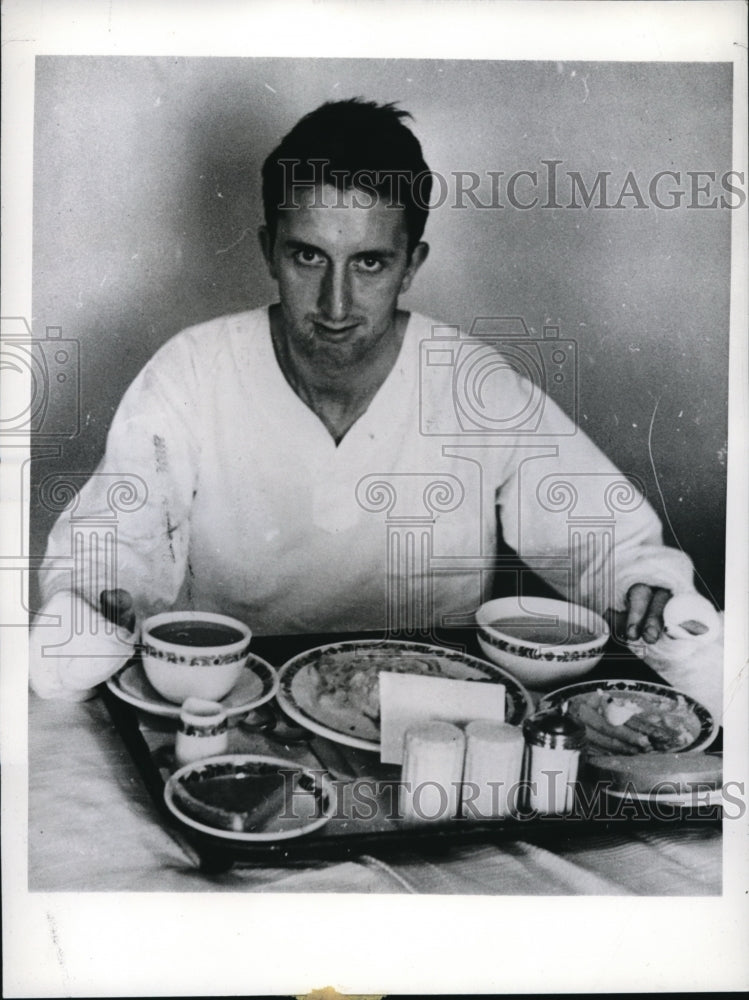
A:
x: 350, y: 679
x: 634, y: 722
x: 676, y: 773
x: 619, y: 711
x: 222, y: 796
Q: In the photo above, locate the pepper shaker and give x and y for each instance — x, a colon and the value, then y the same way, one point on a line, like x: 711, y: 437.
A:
x: 552, y: 753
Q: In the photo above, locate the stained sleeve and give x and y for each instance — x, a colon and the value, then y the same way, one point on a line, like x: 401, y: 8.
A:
x: 128, y: 527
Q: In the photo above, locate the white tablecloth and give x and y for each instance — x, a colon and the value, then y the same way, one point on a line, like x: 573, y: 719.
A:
x: 93, y: 827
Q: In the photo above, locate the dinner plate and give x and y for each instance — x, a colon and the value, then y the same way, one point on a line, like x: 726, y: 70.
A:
x: 704, y: 724
x: 249, y: 797
x: 298, y: 688
x: 257, y: 684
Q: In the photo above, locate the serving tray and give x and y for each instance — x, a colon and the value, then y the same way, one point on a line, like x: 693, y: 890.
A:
x: 358, y: 777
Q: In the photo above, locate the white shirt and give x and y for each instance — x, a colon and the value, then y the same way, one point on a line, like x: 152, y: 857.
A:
x: 242, y: 502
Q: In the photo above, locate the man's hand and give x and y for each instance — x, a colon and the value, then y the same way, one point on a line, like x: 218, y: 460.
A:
x: 643, y: 617
x: 117, y: 607
x: 98, y: 654
x: 645, y: 612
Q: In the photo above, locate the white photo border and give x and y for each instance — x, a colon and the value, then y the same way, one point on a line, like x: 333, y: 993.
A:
x: 223, y: 944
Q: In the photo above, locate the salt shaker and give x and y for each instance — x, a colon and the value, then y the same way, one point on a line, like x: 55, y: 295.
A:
x: 203, y: 730
x: 552, y: 753
x: 432, y: 770
x: 493, y: 765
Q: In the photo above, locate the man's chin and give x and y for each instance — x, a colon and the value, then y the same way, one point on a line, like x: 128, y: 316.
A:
x: 344, y: 347
x: 340, y: 354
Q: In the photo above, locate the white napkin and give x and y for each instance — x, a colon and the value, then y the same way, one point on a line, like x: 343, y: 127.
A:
x: 691, y: 663
x: 407, y: 699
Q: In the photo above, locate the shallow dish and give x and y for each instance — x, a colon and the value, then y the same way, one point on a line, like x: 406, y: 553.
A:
x: 247, y: 797
x: 540, y: 640
x: 257, y: 684
x: 300, y: 695
x: 689, y: 716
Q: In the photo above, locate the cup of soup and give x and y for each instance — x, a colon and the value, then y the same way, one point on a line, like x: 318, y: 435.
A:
x: 542, y: 641
x: 193, y: 654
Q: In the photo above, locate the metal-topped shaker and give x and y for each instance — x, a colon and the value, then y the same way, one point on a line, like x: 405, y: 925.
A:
x: 553, y: 741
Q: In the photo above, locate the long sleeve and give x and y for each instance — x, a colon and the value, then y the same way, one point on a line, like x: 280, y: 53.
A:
x: 128, y: 527
x: 586, y: 529
x: 580, y: 522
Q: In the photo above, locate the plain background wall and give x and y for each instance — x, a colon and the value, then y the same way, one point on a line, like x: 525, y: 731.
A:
x: 147, y: 202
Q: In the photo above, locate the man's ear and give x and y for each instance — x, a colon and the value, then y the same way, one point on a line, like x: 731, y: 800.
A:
x: 266, y: 245
x: 418, y: 255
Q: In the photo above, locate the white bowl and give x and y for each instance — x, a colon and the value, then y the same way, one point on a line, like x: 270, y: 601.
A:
x: 179, y: 670
x: 540, y: 640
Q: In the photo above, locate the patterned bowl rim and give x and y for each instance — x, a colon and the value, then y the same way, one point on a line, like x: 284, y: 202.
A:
x: 207, y: 659
x: 495, y: 636
x: 194, y: 655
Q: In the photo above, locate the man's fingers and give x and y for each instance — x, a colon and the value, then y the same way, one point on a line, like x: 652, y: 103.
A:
x: 638, y: 602
x: 652, y: 626
x: 617, y: 622
x: 645, y: 611
x: 117, y: 607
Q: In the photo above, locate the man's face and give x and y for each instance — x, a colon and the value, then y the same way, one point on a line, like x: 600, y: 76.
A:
x: 340, y: 269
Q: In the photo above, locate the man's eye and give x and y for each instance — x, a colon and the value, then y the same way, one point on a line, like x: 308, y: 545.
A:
x: 370, y: 265
x: 308, y: 258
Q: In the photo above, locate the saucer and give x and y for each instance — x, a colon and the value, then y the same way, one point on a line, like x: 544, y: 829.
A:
x: 257, y: 684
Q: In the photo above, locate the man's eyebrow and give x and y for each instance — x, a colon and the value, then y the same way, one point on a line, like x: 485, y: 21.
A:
x: 301, y: 245
x: 382, y: 253
x: 377, y: 252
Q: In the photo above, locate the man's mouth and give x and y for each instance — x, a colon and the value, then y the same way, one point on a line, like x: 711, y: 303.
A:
x: 334, y: 331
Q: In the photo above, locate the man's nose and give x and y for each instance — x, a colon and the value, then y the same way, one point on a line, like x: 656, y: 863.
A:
x: 335, y: 294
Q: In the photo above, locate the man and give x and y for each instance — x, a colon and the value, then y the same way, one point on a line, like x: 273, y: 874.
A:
x: 281, y: 451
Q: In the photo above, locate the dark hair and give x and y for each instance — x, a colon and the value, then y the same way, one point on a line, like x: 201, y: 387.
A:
x: 351, y: 144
